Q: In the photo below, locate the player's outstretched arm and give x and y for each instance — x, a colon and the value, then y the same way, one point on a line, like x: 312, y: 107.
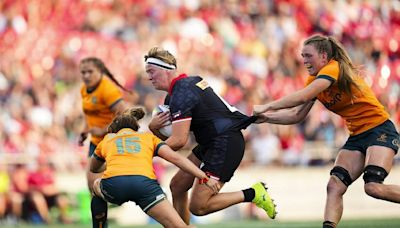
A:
x: 286, y: 116
x: 180, y: 161
x: 186, y: 165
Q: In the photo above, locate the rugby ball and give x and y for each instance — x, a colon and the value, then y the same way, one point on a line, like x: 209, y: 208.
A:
x: 167, y: 129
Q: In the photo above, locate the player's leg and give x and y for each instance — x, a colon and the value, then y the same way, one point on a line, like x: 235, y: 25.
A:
x: 90, y: 176
x: 223, y: 156
x: 379, y: 163
x: 165, y: 214
x: 204, y: 201
x: 384, y: 144
x: 98, y: 206
x: 180, y: 185
x: 348, y: 167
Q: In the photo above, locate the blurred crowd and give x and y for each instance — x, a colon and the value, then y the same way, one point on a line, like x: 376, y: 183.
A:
x: 247, y: 50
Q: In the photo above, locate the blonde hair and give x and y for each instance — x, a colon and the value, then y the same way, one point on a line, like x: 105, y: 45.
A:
x: 335, y: 50
x: 162, y: 55
x: 127, y: 119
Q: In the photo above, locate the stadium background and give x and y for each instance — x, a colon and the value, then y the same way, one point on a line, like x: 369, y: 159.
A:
x: 247, y: 50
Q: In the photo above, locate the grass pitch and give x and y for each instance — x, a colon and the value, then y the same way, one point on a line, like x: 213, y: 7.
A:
x: 362, y: 223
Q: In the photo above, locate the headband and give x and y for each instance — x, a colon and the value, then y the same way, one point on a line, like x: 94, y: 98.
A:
x: 160, y: 63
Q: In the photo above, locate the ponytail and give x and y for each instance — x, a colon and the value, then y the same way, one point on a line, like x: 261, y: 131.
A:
x: 347, y: 70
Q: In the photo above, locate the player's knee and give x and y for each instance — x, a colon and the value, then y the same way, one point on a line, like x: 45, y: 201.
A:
x: 374, y: 177
x: 198, y: 209
x: 339, y: 187
x: 335, y: 187
x: 375, y: 174
x: 374, y: 190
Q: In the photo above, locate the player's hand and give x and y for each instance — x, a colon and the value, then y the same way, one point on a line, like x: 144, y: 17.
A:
x: 262, y: 118
x: 160, y: 120
x: 212, y: 184
x: 258, y: 109
x: 82, y: 137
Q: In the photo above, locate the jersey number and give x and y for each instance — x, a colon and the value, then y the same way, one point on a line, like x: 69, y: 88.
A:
x: 128, y: 144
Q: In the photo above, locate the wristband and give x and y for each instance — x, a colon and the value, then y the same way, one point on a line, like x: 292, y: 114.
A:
x: 203, y: 180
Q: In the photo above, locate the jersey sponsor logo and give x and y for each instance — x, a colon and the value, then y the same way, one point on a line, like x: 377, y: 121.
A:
x: 202, y: 84
x: 336, y: 98
x: 382, y: 138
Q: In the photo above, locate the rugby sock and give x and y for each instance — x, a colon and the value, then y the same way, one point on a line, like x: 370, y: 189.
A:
x: 328, y: 224
x: 99, y: 212
x: 249, y: 194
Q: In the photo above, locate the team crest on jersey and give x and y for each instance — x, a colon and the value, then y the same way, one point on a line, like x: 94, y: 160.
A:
x: 94, y: 100
x: 203, y: 84
x: 382, y: 138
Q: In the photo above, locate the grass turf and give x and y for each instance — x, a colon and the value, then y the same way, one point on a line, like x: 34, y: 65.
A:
x: 362, y: 223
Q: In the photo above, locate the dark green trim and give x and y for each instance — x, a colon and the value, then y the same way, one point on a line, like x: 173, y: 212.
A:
x: 98, y: 158
x: 158, y: 147
x: 327, y: 77
x: 116, y: 102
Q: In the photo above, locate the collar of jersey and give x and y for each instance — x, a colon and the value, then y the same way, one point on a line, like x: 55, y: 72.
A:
x: 126, y: 130
x: 174, y: 81
x: 91, y: 90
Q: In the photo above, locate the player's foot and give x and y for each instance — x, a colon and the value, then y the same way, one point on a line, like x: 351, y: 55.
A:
x: 263, y: 200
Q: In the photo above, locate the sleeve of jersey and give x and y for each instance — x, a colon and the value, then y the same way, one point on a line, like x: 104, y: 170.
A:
x: 329, y: 72
x: 111, y: 94
x: 183, y: 101
x: 97, y: 152
x: 157, y: 144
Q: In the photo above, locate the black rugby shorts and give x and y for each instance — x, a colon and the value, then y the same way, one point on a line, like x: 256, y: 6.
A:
x: 222, y: 155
